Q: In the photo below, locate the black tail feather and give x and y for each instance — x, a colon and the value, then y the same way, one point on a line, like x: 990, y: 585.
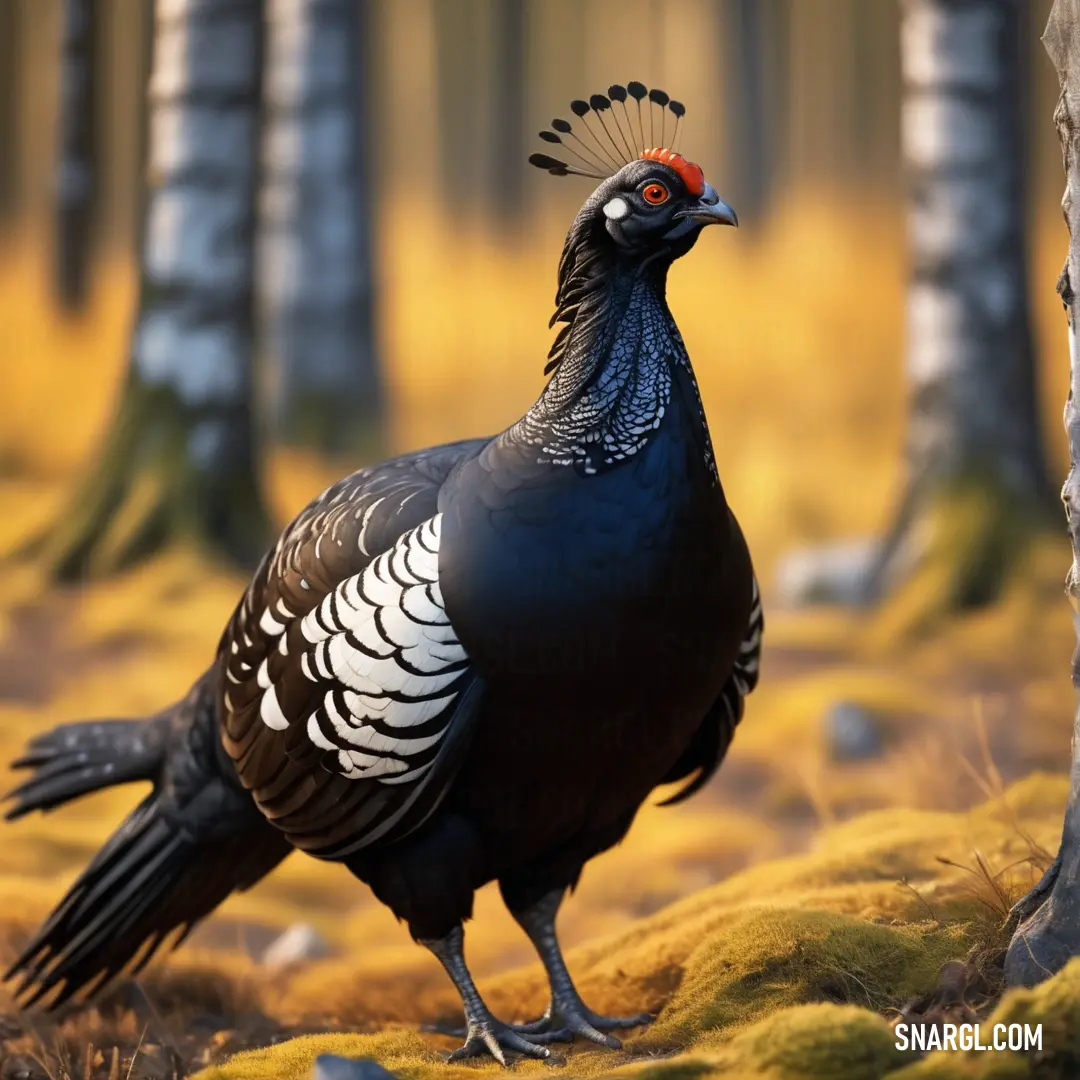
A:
x: 75, y: 759
x: 194, y: 840
x: 149, y: 880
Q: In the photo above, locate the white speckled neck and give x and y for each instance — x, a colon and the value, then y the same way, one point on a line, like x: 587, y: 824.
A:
x: 607, y: 399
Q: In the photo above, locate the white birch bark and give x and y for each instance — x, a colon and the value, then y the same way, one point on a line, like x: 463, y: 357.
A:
x: 178, y: 459
x: 969, y: 355
x: 315, y: 332
x: 193, y: 333
x: 973, y: 431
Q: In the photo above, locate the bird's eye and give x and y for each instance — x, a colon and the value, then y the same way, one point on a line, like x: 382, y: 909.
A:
x: 655, y: 194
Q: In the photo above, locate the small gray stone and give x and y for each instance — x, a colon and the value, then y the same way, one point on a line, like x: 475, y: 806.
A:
x: 298, y: 943
x: 837, y: 573
x: 332, y: 1067
x: 851, y: 732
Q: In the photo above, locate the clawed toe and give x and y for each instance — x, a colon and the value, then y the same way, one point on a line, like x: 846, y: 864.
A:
x: 562, y: 1025
x: 564, y: 1022
x: 494, y: 1038
x: 595, y: 1025
x: 548, y: 1035
x: 611, y: 1023
x: 543, y: 1031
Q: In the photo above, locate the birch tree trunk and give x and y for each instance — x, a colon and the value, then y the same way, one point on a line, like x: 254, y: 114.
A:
x: 315, y: 312
x: 1047, y: 921
x: 178, y: 461
x: 75, y: 165
x: 976, y: 473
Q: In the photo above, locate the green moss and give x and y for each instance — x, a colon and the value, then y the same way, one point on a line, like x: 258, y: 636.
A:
x: 736, y: 1025
x: 814, y: 1042
x: 984, y: 1066
x: 345, y: 425
x: 1055, y: 1005
x: 770, y: 960
x: 971, y: 536
x: 399, y: 1050
x: 146, y: 490
x: 782, y: 972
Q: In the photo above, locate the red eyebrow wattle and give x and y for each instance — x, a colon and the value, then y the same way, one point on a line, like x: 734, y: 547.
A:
x: 691, y: 174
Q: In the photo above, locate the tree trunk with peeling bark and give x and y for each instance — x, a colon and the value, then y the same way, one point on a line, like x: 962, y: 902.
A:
x: 1047, y: 920
x: 977, y: 480
x: 178, y: 460
x: 75, y: 164
x: 314, y: 305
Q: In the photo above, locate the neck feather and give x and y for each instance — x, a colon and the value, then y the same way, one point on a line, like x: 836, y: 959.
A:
x: 612, y: 362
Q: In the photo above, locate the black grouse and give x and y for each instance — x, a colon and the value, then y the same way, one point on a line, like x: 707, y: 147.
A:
x: 472, y: 663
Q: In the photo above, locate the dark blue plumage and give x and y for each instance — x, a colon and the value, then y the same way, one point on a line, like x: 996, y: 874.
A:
x: 468, y: 664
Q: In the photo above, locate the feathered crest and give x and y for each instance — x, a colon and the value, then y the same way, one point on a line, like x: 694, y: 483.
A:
x: 602, y: 147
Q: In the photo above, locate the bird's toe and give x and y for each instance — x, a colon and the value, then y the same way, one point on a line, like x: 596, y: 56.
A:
x: 582, y: 1021
x: 610, y: 1023
x: 580, y: 1026
x: 495, y: 1038
x: 553, y: 1035
x: 544, y: 1030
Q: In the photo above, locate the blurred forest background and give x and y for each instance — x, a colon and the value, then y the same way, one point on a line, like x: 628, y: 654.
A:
x: 794, y: 112
x: 410, y: 307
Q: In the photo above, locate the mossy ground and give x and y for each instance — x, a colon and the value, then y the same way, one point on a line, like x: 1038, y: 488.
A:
x: 789, y: 969
x: 765, y: 920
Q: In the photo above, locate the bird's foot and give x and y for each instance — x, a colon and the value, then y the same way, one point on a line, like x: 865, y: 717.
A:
x: 569, y: 1017
x: 487, y: 1035
x: 491, y: 1036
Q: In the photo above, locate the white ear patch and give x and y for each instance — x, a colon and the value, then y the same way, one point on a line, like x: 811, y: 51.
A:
x: 616, y: 209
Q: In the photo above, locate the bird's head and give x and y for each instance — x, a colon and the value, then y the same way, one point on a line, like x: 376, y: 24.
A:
x: 652, y: 203
x: 660, y: 202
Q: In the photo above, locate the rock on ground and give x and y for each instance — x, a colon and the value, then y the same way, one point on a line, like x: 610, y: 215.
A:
x: 332, y: 1067
x: 837, y: 573
x: 851, y: 732
x: 298, y: 943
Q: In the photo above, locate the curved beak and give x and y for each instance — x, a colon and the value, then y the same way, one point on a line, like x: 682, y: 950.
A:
x: 710, y: 209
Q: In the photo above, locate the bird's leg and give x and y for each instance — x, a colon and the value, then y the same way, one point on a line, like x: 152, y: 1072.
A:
x: 567, y: 1014
x: 483, y: 1033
